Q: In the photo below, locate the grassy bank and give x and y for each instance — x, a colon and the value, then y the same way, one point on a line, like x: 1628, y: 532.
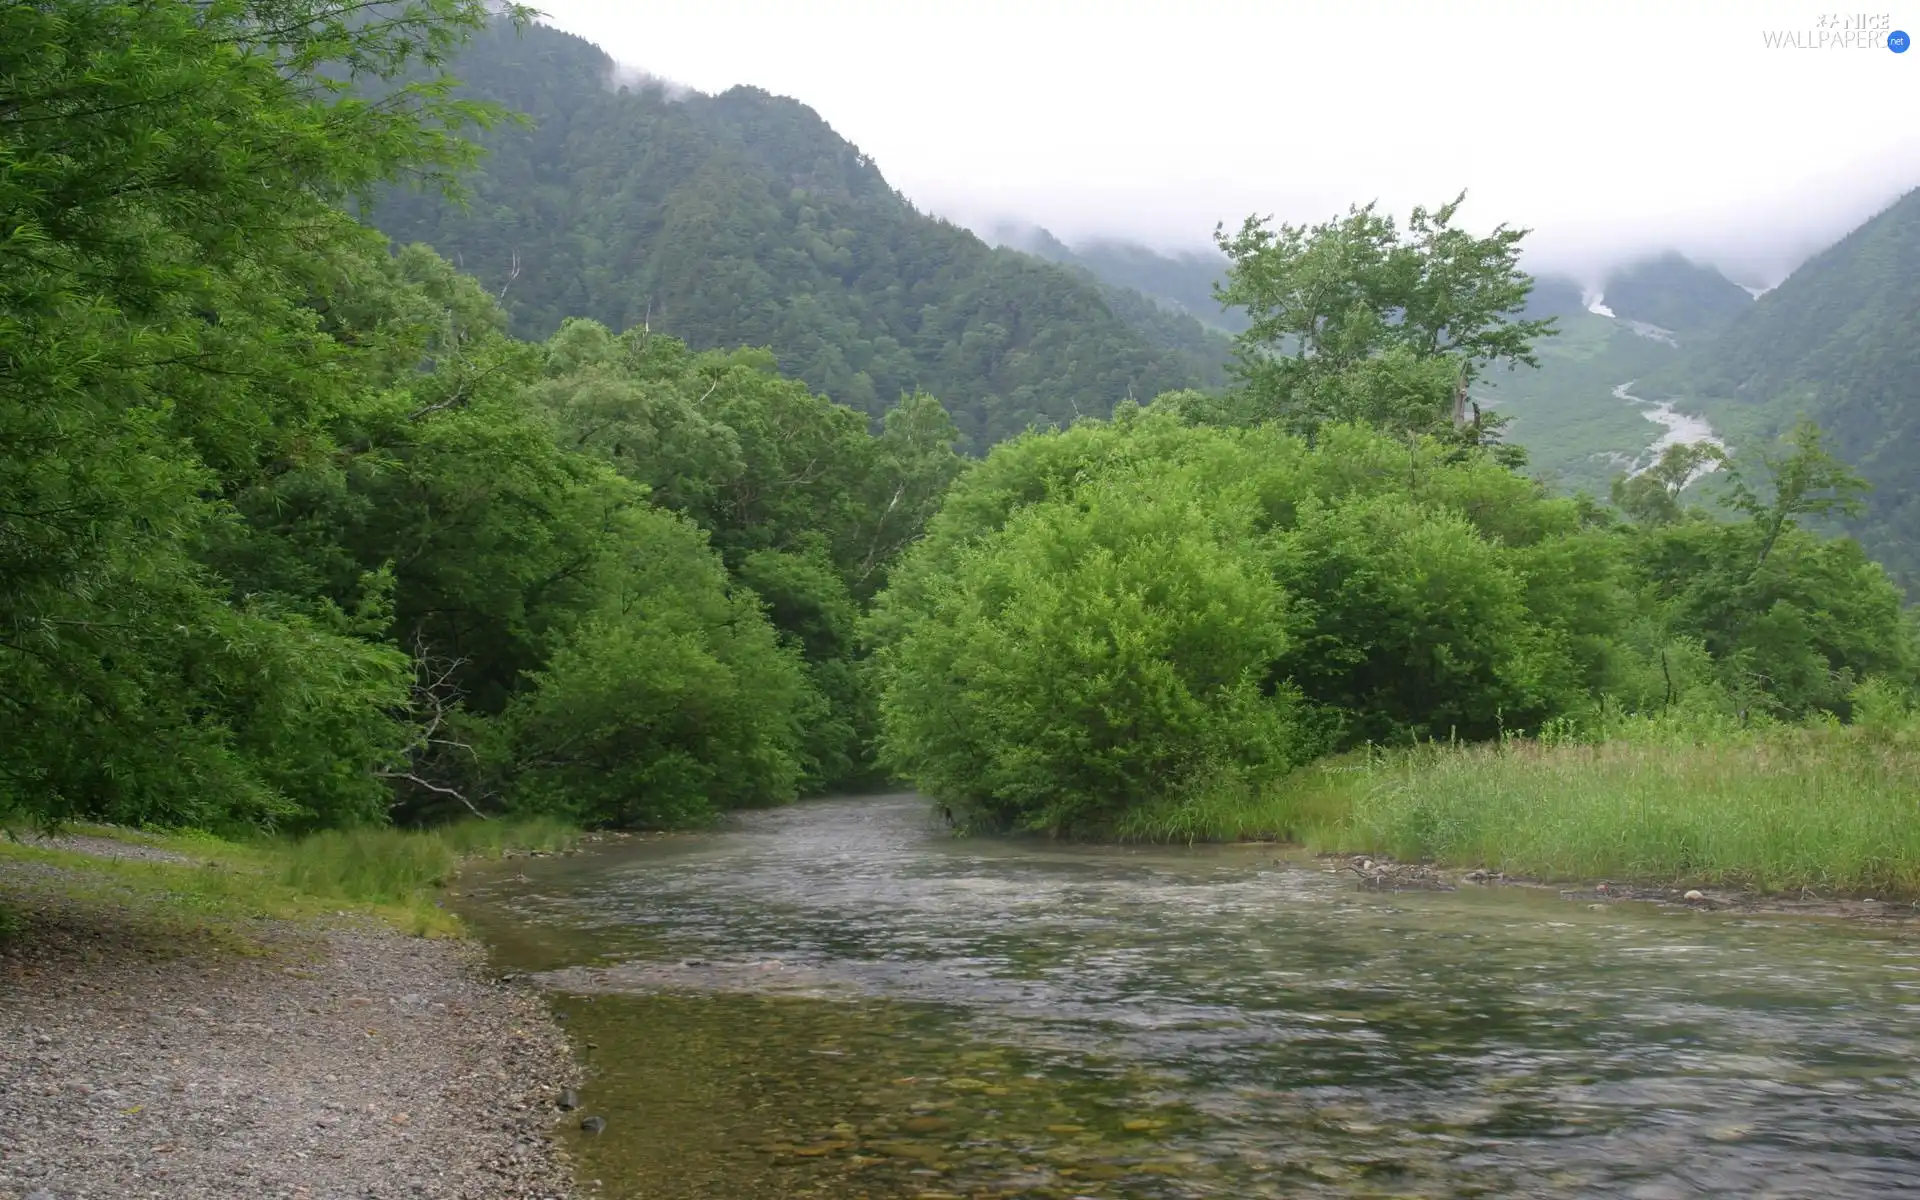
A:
x: 395, y: 874
x: 1825, y: 807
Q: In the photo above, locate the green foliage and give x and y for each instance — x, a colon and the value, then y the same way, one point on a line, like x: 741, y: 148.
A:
x: 1790, y: 634
x: 1806, y: 481
x: 287, y: 535
x: 743, y: 219
x: 806, y: 505
x: 167, y: 171
x: 671, y: 703
x: 1099, y: 650
x: 1326, y: 302
x: 1376, y: 589
x: 1413, y: 622
x: 1792, y: 620
x: 1833, y: 343
x: 1652, y: 497
x: 1394, y: 592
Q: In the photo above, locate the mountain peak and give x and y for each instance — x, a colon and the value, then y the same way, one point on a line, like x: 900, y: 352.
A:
x: 1674, y: 292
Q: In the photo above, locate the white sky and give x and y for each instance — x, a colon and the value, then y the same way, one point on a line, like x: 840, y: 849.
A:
x: 1609, y: 128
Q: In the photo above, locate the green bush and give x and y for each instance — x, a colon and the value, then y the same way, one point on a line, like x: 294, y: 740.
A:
x: 674, y: 702
x: 1099, y: 619
x: 1096, y: 653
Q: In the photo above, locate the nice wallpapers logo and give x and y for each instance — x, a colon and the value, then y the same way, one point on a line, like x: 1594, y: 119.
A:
x: 1842, y: 31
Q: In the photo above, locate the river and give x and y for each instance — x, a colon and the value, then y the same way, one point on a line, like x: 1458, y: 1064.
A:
x: 1682, y: 429
x: 841, y: 1000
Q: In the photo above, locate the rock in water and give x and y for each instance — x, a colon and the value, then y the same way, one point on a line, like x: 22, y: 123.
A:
x: 594, y: 1124
x: 568, y: 1100
x: 1694, y: 895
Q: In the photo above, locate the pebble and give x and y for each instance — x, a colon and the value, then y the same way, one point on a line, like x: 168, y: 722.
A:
x: 594, y: 1124
x: 283, y: 1075
x: 1693, y: 895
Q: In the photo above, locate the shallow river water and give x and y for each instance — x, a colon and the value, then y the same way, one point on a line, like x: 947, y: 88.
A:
x: 840, y: 1000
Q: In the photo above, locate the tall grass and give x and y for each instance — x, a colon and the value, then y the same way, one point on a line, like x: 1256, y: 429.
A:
x: 392, y: 873
x: 1824, y: 808
x: 1699, y: 799
x: 396, y: 866
x: 1307, y: 806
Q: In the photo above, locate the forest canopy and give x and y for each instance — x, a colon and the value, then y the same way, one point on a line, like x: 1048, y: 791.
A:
x: 1210, y: 591
x: 295, y: 532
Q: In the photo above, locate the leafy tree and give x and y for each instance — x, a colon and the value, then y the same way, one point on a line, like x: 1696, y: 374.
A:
x: 1412, y: 622
x: 1790, y: 636
x: 1355, y: 320
x: 168, y: 173
x: 807, y: 506
x: 1807, y: 481
x: 1373, y: 589
x: 284, y: 538
x: 1792, y: 620
x: 670, y: 703
x: 1096, y: 653
x: 1652, y: 497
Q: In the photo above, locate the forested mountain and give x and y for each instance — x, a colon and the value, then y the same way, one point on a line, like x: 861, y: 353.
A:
x: 744, y: 219
x: 1555, y: 296
x: 1577, y: 431
x: 1182, y: 282
x: 1675, y: 293
x: 1835, y: 342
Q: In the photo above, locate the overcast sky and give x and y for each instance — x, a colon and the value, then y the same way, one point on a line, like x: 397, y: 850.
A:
x: 1608, y: 128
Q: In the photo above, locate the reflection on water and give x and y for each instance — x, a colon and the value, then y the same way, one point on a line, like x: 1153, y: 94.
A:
x: 838, y: 1000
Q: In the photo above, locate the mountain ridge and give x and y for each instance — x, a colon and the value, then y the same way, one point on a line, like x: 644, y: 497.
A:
x: 744, y: 219
x: 1835, y: 342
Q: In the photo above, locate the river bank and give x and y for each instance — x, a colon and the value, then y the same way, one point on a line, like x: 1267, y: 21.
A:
x: 1768, y: 812
x: 1385, y: 874
x: 168, y: 1049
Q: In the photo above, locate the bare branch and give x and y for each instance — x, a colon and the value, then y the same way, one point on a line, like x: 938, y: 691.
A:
x: 435, y: 788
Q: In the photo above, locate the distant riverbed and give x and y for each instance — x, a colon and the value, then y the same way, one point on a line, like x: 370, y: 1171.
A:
x: 1682, y: 429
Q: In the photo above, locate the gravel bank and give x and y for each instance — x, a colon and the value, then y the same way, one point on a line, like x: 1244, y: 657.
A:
x: 139, y: 1059
x: 100, y: 847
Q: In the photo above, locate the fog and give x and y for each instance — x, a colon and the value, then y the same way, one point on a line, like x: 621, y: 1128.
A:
x: 1611, y: 130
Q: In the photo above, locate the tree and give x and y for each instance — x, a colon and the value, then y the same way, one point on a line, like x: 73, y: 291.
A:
x: 1102, y: 616
x: 1806, y: 480
x: 670, y: 702
x: 1354, y: 320
x: 1096, y: 653
x: 1792, y: 620
x: 805, y: 504
x: 1652, y: 497
x: 169, y: 175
